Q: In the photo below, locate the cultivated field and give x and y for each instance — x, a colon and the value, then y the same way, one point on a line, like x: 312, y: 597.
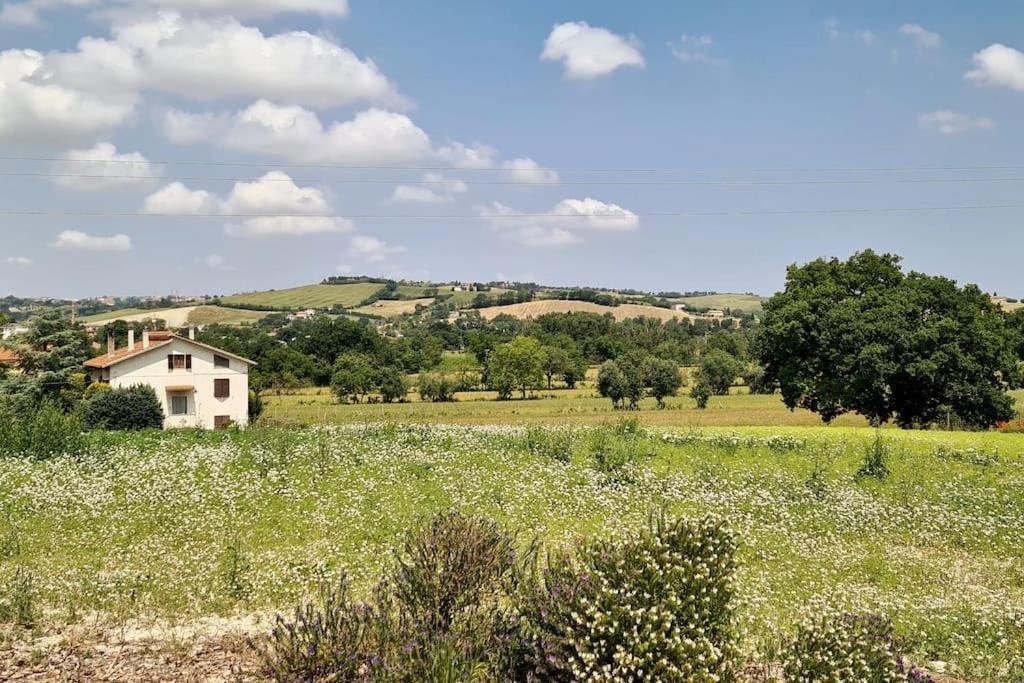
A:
x: 747, y: 303
x: 388, y: 308
x: 221, y: 315
x: 309, y: 296
x: 185, y: 315
x: 532, y: 309
x: 155, y: 533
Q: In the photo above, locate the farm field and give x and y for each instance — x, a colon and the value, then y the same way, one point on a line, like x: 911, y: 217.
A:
x: 389, y: 308
x: 308, y: 296
x: 155, y: 531
x: 533, y: 309
x: 185, y: 315
x: 747, y: 303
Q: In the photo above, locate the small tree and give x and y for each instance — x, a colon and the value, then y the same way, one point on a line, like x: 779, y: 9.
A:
x: 611, y: 383
x: 436, y: 388
x: 131, y: 408
x: 701, y: 393
x: 662, y: 378
x: 554, y: 362
x: 354, y: 376
x: 718, y: 370
x: 575, y: 370
x: 392, y: 385
x: 516, y: 365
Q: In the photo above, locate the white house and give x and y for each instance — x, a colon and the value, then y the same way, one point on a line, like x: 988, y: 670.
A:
x: 11, y: 330
x: 197, y: 385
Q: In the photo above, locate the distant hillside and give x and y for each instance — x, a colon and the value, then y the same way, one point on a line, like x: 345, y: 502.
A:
x: 748, y: 303
x: 180, y: 316
x: 308, y: 296
x: 533, y: 309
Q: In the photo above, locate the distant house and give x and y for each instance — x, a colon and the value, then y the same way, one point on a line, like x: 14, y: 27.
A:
x: 12, y: 329
x: 197, y: 385
x: 680, y: 307
x: 302, y: 315
x: 9, y: 357
x: 714, y: 313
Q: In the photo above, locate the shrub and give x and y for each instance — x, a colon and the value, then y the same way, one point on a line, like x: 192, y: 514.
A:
x: 127, y: 409
x: 255, y: 405
x: 392, y: 385
x: 17, y: 602
x: 718, y: 370
x: 556, y: 444
x: 876, y: 456
x: 701, y: 393
x: 615, y: 448
x: 848, y: 647
x: 41, y: 434
x: 436, y: 388
x: 436, y: 614
x: 655, y: 607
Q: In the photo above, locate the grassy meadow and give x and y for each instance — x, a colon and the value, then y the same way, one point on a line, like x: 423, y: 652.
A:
x: 168, y: 527
x: 308, y: 296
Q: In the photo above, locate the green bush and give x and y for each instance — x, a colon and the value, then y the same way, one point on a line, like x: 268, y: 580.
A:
x: 128, y: 409
x: 556, y: 444
x: 41, y: 434
x: 437, y: 388
x: 701, y: 393
x: 655, y: 607
x: 17, y: 599
x: 614, y: 448
x: 847, y: 647
x: 255, y: 405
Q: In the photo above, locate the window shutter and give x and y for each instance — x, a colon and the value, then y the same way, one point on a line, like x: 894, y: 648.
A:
x: 188, y: 361
x: 170, y: 361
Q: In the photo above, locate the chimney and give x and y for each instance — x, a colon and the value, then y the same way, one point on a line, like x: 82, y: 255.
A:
x: 192, y: 332
x: 110, y: 343
x: 145, y: 339
x: 131, y: 340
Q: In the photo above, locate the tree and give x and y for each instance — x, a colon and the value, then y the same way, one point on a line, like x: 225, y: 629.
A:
x: 575, y: 370
x: 127, y: 409
x: 662, y: 378
x: 718, y: 370
x: 354, y: 376
x: 52, y: 352
x: 621, y: 381
x: 861, y: 336
x: 516, y: 365
x: 436, y: 388
x: 554, y: 361
x: 701, y: 393
x: 392, y: 385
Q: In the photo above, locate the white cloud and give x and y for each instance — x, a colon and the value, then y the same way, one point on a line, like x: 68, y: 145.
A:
x: 922, y: 37
x: 590, y: 52
x: 1000, y: 66
x: 176, y: 199
x: 36, y: 108
x: 290, y: 209
x: 113, y: 170
x: 695, y: 50
x: 951, y: 123
x: 218, y: 58
x: 371, y: 249
x: 75, y: 239
x: 18, y: 261
x: 526, y: 170
x: 374, y: 136
x: 27, y: 13
x: 468, y: 156
x: 867, y: 37
x: 562, y: 225
x: 437, y: 189
x: 216, y: 262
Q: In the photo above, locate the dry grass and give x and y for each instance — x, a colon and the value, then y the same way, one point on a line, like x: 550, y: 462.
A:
x: 218, y: 315
x: 391, y: 308
x: 174, y: 317
x: 533, y: 309
x: 309, y: 296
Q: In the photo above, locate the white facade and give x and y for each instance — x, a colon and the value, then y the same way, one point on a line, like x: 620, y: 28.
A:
x: 8, y: 331
x: 186, y: 377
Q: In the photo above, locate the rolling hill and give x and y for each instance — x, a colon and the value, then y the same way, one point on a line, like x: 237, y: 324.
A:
x: 308, y: 296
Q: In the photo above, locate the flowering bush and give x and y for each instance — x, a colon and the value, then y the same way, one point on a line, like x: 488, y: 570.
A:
x: 848, y: 647
x: 654, y: 607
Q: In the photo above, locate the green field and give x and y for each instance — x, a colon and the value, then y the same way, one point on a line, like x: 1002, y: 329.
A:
x: 747, y: 303
x: 220, y: 315
x: 309, y: 296
x: 179, y: 526
x: 114, y: 315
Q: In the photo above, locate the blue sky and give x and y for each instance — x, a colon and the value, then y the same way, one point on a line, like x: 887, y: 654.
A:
x: 494, y: 120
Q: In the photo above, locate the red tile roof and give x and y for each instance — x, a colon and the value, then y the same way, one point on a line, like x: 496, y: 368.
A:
x: 9, y: 356
x: 157, y: 339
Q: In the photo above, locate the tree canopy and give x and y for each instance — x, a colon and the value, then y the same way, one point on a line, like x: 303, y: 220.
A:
x: 862, y: 336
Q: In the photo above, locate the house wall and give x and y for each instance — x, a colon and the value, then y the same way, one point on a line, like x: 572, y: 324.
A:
x: 151, y: 368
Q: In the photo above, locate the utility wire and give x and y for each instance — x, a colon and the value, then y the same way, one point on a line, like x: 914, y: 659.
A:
x: 539, y: 183
x: 453, y: 169
x: 518, y: 216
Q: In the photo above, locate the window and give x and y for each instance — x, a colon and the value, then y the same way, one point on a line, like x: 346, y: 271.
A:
x: 221, y: 421
x: 179, y: 404
x: 221, y: 362
x: 221, y: 388
x: 179, y: 361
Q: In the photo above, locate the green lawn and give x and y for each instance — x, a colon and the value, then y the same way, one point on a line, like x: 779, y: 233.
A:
x: 309, y: 296
x: 186, y: 525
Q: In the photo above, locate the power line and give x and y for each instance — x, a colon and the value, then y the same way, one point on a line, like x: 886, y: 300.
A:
x: 454, y: 169
x: 538, y: 183
x: 518, y: 216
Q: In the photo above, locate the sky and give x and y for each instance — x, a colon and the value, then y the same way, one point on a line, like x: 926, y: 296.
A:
x: 218, y: 146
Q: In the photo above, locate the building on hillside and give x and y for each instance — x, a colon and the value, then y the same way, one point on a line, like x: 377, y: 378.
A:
x: 714, y: 313
x: 9, y: 357
x: 11, y: 330
x: 680, y: 307
x: 302, y: 315
x: 197, y: 385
